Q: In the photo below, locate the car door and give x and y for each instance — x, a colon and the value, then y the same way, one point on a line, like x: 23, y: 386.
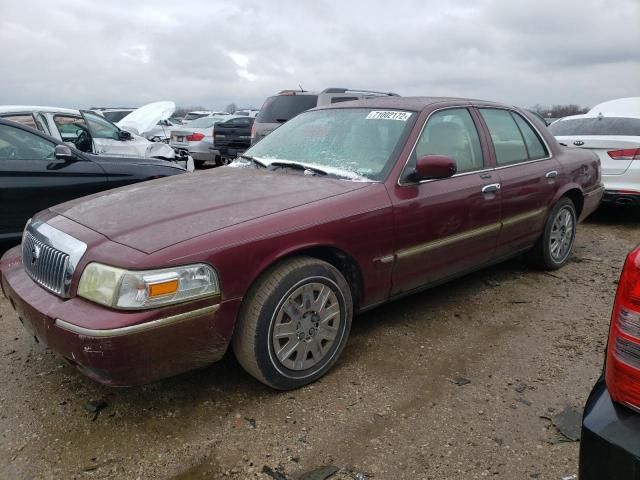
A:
x: 32, y: 179
x: 527, y: 175
x: 448, y: 226
x: 107, y: 137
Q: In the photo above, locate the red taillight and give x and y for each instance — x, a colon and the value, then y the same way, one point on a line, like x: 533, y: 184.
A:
x: 622, y: 370
x: 253, y: 131
x: 194, y: 137
x: 626, y: 154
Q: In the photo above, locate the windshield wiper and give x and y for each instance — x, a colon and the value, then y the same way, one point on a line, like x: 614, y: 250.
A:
x: 254, y: 160
x: 298, y: 166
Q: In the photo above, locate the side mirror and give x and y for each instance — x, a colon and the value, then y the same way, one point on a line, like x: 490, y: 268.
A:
x: 124, y: 135
x: 433, y: 167
x: 64, y: 153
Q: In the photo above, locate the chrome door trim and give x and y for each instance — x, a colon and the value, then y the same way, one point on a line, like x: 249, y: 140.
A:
x: 476, y: 232
x: 133, y: 329
x: 443, y: 242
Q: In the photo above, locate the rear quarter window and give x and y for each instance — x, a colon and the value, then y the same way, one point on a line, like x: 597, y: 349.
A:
x: 281, y: 108
x: 26, y: 119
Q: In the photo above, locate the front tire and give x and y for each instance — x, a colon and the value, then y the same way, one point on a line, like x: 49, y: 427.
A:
x: 553, y: 248
x: 294, y: 323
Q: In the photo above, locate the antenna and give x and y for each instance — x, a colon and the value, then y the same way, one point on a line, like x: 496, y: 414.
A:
x: 301, y: 89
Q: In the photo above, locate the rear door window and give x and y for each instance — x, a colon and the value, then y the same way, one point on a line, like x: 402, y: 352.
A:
x: 596, y: 126
x: 508, y: 142
x: 282, y: 108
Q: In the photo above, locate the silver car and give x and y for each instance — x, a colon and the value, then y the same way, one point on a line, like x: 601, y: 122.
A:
x: 196, y: 138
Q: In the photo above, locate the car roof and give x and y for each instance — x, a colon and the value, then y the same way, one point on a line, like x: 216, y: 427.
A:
x: 620, y: 107
x: 415, y: 104
x: 598, y: 115
x: 36, y: 108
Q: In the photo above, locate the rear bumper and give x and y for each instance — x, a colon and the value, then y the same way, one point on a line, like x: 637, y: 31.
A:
x: 200, y: 151
x: 627, y: 198
x: 115, y: 347
x: 610, y: 444
x: 591, y: 201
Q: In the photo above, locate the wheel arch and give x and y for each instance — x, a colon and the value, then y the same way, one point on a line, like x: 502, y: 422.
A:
x: 335, y: 256
x: 573, y: 193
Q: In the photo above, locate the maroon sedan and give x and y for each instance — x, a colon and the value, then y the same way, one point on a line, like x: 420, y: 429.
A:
x: 339, y: 210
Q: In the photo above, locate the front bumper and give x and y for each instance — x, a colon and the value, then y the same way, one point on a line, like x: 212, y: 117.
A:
x: 610, y: 446
x: 116, y: 347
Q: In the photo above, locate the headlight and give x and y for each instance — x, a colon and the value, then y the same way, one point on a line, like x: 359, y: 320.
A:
x: 126, y: 289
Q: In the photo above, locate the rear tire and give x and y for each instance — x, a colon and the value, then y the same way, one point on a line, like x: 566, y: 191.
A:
x: 294, y: 323
x: 553, y: 248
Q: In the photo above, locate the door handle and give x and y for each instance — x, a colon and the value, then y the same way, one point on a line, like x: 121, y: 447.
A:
x: 552, y: 174
x: 491, y: 188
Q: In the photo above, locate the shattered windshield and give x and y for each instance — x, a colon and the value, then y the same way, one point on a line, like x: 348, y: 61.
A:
x: 360, y: 141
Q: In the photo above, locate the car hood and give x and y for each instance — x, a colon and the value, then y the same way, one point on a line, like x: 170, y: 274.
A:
x: 150, y: 216
x: 146, y: 117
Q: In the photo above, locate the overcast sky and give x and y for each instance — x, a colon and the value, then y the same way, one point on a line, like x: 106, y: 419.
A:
x: 79, y: 53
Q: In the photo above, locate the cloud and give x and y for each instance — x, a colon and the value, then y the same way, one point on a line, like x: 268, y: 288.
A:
x: 79, y: 54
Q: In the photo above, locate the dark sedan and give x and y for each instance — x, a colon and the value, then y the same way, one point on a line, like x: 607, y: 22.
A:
x: 610, y: 445
x: 339, y: 210
x: 37, y: 172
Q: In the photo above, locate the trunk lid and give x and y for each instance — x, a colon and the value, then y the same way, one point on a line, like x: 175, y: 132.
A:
x: 601, y: 145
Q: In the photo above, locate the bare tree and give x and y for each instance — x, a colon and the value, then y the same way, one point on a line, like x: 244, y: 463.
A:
x: 231, y: 107
x: 559, y: 111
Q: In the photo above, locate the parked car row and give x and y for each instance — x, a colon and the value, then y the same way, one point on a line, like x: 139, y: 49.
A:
x: 341, y: 209
x: 38, y: 171
x: 90, y: 132
x: 346, y: 199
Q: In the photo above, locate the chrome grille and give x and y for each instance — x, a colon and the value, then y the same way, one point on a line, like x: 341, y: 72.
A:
x: 45, y: 264
x: 50, y: 256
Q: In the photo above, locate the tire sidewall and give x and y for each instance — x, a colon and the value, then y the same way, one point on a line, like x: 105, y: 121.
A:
x: 274, y: 372
x: 564, y: 203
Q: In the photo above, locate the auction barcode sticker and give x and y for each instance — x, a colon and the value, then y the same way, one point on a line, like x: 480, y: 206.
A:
x: 389, y: 115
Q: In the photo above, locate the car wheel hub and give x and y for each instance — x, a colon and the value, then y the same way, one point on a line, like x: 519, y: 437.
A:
x: 561, y: 237
x: 306, y: 326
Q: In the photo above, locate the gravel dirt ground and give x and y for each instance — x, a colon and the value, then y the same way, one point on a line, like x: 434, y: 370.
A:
x: 460, y: 382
